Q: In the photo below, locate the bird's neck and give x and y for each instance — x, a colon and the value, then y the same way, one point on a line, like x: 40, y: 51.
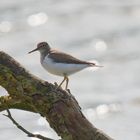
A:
x: 43, y: 54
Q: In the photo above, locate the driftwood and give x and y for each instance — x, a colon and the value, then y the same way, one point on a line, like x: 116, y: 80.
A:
x: 59, y: 107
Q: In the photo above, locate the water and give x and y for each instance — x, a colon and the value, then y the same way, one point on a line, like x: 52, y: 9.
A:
x: 107, y: 31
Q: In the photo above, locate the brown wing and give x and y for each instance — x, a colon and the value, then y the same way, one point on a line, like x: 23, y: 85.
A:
x: 61, y: 57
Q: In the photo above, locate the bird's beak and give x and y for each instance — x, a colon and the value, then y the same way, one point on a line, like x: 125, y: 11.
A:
x: 33, y: 50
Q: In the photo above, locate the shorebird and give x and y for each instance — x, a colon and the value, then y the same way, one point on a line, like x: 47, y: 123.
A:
x: 60, y: 63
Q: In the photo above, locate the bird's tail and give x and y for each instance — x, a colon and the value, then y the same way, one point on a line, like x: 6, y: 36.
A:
x: 95, y: 65
x: 98, y: 66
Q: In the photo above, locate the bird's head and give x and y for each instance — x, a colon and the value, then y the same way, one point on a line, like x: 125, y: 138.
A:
x: 42, y: 47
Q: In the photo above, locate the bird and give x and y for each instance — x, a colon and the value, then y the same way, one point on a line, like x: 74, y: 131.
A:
x: 60, y: 63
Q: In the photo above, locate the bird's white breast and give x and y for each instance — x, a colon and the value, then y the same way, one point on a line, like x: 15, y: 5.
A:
x: 61, y: 69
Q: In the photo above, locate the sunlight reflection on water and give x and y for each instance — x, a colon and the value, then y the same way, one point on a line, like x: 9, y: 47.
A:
x: 101, y: 46
x: 5, y: 26
x: 102, y: 111
x: 37, y: 19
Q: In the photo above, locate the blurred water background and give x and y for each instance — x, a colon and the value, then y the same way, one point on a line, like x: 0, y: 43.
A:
x: 103, y: 30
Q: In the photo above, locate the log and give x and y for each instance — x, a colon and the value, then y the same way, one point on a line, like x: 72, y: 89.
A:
x: 59, y: 107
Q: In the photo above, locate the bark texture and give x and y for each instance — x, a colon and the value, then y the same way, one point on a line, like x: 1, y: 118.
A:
x: 60, y: 108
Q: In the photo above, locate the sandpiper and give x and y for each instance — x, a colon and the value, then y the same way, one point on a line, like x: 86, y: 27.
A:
x: 59, y: 63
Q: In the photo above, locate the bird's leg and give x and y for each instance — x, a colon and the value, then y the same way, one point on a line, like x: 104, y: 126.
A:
x: 62, y: 82
x: 67, y: 82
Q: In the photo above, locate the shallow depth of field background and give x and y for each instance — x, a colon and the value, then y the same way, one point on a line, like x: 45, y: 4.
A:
x: 104, y: 30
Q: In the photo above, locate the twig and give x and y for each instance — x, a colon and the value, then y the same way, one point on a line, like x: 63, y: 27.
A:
x: 29, y: 134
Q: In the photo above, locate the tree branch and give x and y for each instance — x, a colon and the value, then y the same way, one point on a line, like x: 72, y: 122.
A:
x: 29, y: 134
x: 60, y: 108
x: 14, y: 103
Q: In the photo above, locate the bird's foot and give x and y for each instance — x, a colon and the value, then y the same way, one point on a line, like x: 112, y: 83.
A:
x: 57, y: 86
x: 68, y: 90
